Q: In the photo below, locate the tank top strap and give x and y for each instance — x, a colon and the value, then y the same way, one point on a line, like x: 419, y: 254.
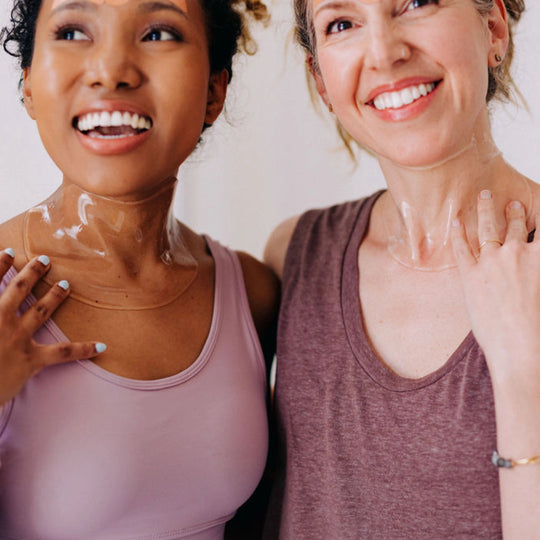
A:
x: 230, y: 291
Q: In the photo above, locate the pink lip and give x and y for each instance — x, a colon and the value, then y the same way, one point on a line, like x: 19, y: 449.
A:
x: 407, y: 112
x: 112, y: 147
x: 396, y: 86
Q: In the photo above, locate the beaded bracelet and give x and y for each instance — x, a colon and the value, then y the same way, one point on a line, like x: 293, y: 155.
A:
x: 505, y: 463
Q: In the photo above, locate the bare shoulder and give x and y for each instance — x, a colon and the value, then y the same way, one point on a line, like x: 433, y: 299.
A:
x: 276, y: 247
x: 263, y: 291
x: 11, y: 236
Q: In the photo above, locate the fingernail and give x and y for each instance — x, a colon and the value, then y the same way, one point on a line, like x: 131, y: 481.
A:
x: 485, y: 194
x: 44, y: 260
x: 64, y: 284
x: 10, y: 252
x: 515, y: 205
x: 100, y: 347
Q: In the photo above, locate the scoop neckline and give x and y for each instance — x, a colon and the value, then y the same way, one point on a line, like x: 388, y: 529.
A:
x: 152, y: 384
x: 354, y: 324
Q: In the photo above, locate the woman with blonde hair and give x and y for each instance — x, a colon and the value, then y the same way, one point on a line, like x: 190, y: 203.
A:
x: 408, y: 378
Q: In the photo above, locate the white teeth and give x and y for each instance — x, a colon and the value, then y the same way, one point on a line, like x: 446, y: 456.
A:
x: 116, y: 118
x: 396, y: 100
x: 104, y: 119
x: 407, y: 96
x: 90, y: 121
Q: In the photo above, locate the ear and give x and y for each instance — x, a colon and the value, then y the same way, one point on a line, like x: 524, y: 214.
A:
x: 217, y: 91
x: 497, y: 20
x: 27, y: 93
x: 317, y: 77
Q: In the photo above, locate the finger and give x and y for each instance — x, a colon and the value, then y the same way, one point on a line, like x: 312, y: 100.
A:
x: 516, y: 222
x: 23, y: 283
x: 6, y: 260
x: 41, y: 310
x: 60, y: 353
x: 536, y: 236
x: 462, y: 250
x: 488, y: 235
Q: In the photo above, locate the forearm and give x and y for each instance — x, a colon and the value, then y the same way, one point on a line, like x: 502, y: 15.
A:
x: 517, y: 406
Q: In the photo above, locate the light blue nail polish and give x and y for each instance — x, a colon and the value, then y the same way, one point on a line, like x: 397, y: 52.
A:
x: 44, y: 260
x: 101, y: 347
x: 64, y: 284
x: 10, y: 252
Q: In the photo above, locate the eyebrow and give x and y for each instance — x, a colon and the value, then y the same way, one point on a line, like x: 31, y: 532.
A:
x: 334, y: 4
x: 85, y: 6
x: 147, y: 7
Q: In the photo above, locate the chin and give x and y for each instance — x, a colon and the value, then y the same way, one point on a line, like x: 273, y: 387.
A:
x: 113, y: 188
x: 424, y: 156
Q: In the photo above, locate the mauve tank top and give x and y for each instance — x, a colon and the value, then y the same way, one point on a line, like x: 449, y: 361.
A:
x: 89, y: 455
x: 365, y: 453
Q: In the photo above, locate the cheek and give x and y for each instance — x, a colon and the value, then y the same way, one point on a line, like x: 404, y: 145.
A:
x: 181, y: 82
x: 340, y: 69
x: 49, y: 76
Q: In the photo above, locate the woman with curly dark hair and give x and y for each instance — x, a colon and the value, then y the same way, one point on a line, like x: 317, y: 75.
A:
x: 409, y: 332
x: 160, y: 433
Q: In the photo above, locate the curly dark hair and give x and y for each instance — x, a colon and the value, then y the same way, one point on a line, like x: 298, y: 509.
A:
x: 226, y: 24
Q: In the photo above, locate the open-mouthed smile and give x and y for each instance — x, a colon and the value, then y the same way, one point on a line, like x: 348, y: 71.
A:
x: 403, y: 97
x: 112, y: 124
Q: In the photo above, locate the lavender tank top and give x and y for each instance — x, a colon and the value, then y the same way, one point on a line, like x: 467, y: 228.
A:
x: 90, y: 455
x: 365, y: 453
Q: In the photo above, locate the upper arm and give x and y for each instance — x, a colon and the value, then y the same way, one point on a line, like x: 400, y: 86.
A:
x: 276, y: 247
x: 263, y: 292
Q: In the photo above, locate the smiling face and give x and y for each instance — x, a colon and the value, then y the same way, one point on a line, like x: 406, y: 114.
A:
x: 121, y: 91
x: 407, y: 78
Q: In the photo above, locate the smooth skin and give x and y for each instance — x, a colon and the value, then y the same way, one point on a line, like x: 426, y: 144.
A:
x: 20, y: 356
x: 102, y: 55
x: 415, y: 319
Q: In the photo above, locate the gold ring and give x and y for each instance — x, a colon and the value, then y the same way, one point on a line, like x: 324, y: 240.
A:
x: 494, y: 240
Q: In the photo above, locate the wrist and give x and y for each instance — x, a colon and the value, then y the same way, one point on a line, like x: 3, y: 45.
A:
x: 514, y: 368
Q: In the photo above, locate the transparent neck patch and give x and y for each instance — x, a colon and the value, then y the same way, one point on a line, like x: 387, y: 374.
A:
x: 103, y: 247
x: 422, y: 242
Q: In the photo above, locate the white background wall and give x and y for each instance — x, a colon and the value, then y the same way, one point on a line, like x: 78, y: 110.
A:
x: 274, y: 155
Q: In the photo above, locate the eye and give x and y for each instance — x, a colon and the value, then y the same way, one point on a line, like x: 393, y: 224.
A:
x: 415, y: 4
x: 71, y: 34
x: 338, y: 26
x: 161, y: 34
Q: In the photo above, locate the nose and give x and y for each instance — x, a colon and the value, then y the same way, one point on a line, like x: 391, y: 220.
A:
x: 111, y: 65
x: 386, y: 46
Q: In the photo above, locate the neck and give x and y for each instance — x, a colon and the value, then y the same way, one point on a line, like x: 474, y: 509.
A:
x: 116, y: 253
x: 424, y: 201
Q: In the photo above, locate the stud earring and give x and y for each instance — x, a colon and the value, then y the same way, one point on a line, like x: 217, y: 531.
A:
x: 498, y: 58
x: 330, y: 108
